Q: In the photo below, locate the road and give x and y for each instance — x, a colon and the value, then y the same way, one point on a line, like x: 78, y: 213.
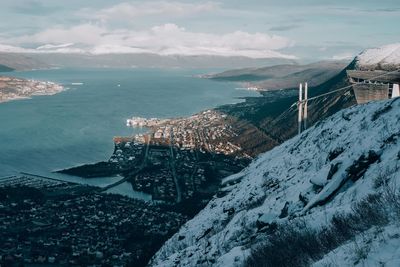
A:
x: 123, y: 180
x: 141, y: 167
x: 144, y: 164
x: 172, y: 165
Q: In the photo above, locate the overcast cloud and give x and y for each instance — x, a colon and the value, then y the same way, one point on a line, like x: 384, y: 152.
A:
x: 285, y: 28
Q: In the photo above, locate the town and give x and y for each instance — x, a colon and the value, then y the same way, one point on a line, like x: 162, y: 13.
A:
x: 205, y: 131
x: 176, y: 160
x: 16, y: 88
x: 46, y: 221
x: 179, y: 159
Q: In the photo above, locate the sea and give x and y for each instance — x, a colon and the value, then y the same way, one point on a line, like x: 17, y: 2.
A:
x: 46, y: 133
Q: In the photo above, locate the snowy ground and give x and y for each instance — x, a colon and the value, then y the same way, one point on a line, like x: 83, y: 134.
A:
x: 385, y: 57
x: 376, y: 247
x: 309, y: 178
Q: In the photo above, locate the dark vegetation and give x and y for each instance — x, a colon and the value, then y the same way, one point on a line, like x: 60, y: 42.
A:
x: 300, y: 245
x: 100, y: 169
x: 360, y: 166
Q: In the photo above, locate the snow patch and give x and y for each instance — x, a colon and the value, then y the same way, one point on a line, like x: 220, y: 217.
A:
x: 385, y: 57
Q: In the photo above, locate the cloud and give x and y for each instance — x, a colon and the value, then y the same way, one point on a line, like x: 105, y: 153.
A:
x: 14, y: 49
x: 362, y: 11
x: 42, y: 49
x: 59, y: 48
x: 51, y: 46
x: 388, y: 10
x: 343, y: 56
x: 34, y: 8
x: 84, y: 33
x: 166, y: 39
x: 130, y: 11
x: 284, y: 28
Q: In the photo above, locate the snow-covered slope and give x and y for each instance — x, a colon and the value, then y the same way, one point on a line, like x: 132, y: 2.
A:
x: 376, y: 247
x: 385, y: 58
x: 309, y: 178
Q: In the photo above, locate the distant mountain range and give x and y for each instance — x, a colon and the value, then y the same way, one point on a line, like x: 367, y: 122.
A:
x: 282, y: 76
x: 16, y: 61
x: 26, y: 61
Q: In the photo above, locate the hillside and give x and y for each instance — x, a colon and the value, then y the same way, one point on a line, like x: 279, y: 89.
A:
x: 283, y: 126
x: 334, y: 183
x: 4, y: 68
x: 276, y: 115
x: 283, y: 76
x: 21, y: 61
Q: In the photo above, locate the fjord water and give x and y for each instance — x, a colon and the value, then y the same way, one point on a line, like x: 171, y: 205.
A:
x: 47, y: 133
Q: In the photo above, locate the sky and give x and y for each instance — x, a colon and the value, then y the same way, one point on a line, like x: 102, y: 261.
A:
x: 316, y: 29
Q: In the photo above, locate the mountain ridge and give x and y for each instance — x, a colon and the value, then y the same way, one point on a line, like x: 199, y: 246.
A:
x: 385, y: 58
x: 142, y: 60
x: 285, y: 76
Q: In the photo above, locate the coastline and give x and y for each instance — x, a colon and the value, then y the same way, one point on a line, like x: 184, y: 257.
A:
x: 146, y: 130
x: 12, y: 88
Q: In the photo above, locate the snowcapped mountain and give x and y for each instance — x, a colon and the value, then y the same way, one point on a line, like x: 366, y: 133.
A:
x: 381, y: 58
x: 312, y: 180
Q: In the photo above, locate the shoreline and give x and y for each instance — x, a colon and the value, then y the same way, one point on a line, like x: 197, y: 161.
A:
x: 13, y: 88
x: 148, y: 131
